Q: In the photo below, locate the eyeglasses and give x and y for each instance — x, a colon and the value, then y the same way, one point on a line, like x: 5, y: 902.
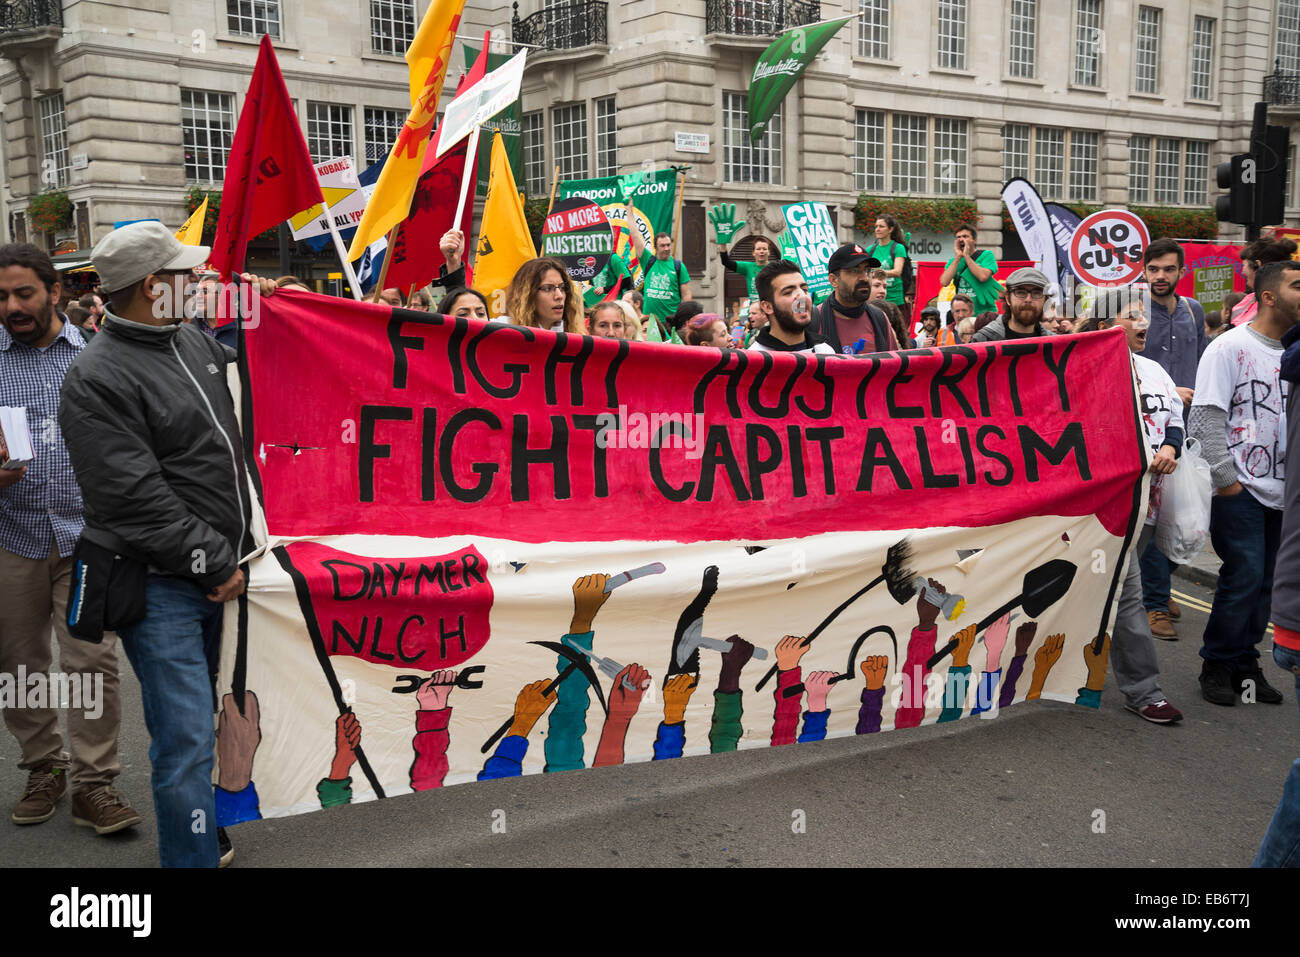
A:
x: 1037, y: 295
x: 550, y: 288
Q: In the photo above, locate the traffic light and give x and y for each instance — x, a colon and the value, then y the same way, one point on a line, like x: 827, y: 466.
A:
x: 1238, y: 177
x: 1270, y: 185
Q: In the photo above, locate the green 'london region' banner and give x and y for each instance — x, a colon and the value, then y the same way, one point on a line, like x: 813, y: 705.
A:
x: 509, y: 121
x: 780, y: 67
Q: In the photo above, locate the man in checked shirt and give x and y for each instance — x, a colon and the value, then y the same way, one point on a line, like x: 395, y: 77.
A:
x: 40, y: 521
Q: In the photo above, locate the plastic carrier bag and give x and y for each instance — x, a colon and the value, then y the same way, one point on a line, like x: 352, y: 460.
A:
x: 1183, y: 522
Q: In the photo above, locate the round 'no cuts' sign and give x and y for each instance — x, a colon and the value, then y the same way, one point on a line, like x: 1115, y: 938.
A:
x: 1106, y: 248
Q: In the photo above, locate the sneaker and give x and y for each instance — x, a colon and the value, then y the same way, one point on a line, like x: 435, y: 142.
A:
x: 226, y: 849
x: 1162, y: 625
x: 44, y: 788
x: 1265, y: 693
x: 1175, y: 612
x: 1216, y: 684
x: 1162, y: 712
x: 103, y: 809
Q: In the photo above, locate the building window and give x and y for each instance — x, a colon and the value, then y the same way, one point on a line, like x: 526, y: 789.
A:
x: 1022, y: 51
x: 207, y: 127
x: 873, y: 29
x: 1146, y: 74
x: 911, y: 159
x: 949, y: 156
x: 869, y: 151
x: 382, y: 127
x: 1139, y: 169
x: 1196, y: 173
x: 534, y: 154
x: 606, y: 137
x: 252, y: 18
x: 54, y: 142
x: 952, y: 34
x: 743, y: 161
x: 1203, y: 59
x: 1049, y: 162
x: 1164, y: 188
x: 1084, y: 152
x: 392, y: 26
x: 1087, y: 43
x: 1015, y: 151
x: 569, y: 137
x: 329, y: 131
x: 1288, y: 36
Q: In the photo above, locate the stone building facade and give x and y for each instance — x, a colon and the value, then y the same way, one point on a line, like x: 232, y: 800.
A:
x: 125, y: 103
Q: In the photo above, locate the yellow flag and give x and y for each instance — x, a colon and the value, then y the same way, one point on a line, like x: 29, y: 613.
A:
x: 428, y: 56
x: 504, y: 242
x: 191, y: 234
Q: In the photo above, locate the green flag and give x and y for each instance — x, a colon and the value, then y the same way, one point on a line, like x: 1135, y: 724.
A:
x: 508, y: 121
x: 780, y: 66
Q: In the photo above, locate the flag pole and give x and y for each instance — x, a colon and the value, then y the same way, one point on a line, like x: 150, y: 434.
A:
x: 338, y: 248
x: 388, y: 258
x: 677, y: 217
x: 555, y: 182
x: 469, y: 175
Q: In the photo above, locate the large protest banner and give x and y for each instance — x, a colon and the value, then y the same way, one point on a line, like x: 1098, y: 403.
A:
x: 495, y: 550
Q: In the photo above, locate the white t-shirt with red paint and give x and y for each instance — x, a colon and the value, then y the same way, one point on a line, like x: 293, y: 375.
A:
x: 1161, y: 408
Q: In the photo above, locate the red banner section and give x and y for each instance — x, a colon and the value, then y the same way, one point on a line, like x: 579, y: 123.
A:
x: 424, y: 613
x: 377, y: 421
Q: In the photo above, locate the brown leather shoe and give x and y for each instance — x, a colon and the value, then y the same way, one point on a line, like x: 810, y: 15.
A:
x: 1161, y: 625
x: 103, y: 809
x: 44, y: 788
x: 1175, y: 612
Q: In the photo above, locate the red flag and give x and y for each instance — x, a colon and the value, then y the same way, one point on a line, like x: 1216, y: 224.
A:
x: 414, y: 256
x: 269, y: 175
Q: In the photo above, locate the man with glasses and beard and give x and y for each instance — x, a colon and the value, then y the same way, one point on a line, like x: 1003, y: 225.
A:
x: 783, y: 301
x: 1022, y: 310
x: 846, y: 317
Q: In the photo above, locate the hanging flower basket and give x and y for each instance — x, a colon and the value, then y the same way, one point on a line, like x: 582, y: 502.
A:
x: 916, y: 215
x: 50, y: 211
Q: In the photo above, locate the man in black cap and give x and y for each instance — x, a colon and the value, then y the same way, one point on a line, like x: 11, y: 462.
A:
x: 846, y: 318
x: 1022, y: 309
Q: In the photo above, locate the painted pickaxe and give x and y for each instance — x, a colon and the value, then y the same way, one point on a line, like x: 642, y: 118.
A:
x: 898, y: 578
x: 609, y: 666
x: 851, y: 671
x: 406, y: 684
x: 577, y: 662
x: 693, y: 639
x: 1043, y: 587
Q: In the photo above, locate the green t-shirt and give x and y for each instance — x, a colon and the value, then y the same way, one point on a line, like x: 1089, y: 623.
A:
x: 984, y: 295
x: 604, y: 280
x: 749, y: 271
x: 663, y: 284
x: 885, y: 255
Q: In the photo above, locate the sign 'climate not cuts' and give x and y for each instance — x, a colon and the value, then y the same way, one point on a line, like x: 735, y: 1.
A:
x: 1106, y: 248
x: 577, y: 233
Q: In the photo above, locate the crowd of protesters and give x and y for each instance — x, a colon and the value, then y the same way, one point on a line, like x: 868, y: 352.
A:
x: 147, y: 461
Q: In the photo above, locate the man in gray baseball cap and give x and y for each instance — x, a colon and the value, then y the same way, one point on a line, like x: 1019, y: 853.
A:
x: 1022, y: 308
x: 150, y: 427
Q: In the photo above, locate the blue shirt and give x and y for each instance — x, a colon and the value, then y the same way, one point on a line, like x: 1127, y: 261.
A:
x: 44, y: 506
x: 1175, y: 343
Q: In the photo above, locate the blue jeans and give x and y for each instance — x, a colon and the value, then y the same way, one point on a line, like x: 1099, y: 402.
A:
x: 170, y: 651
x: 1156, y: 569
x: 1245, y: 535
x: 1281, y: 844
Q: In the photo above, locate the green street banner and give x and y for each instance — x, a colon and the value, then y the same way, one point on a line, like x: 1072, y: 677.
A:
x: 509, y: 121
x: 780, y: 67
